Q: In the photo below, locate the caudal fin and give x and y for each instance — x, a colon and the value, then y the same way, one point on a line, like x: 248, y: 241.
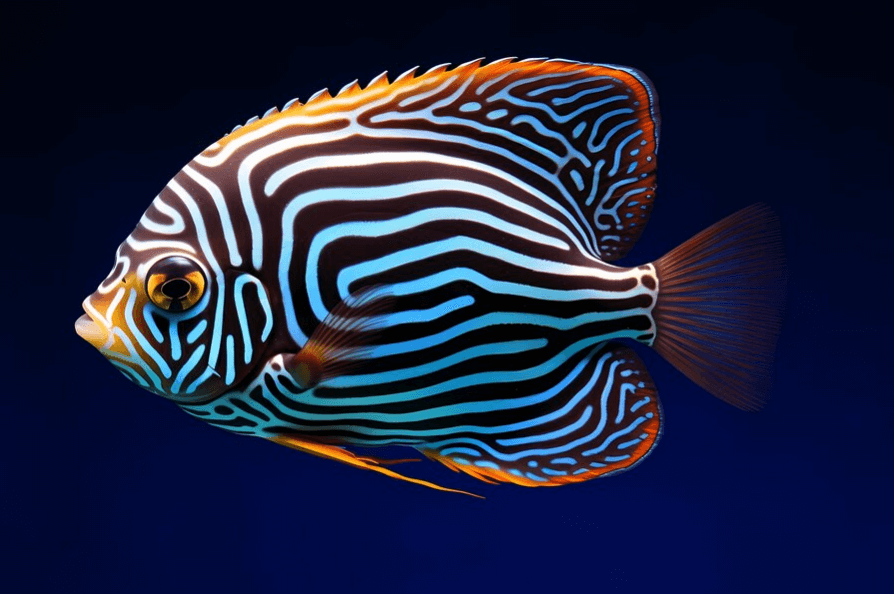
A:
x: 720, y: 303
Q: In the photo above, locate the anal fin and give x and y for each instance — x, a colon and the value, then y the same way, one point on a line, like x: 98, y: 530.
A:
x: 347, y: 457
x: 611, y: 421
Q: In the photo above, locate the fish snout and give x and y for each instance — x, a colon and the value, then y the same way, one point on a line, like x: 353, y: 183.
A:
x: 89, y: 329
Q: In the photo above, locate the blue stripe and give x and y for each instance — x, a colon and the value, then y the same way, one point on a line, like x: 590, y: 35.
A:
x: 579, y: 94
x: 195, y: 333
x: 621, y: 182
x: 618, y: 150
x: 596, y: 172
x: 487, y: 464
x: 622, y: 395
x: 571, y: 151
x: 208, y: 253
x: 141, y: 340
x: 133, y: 357
x: 599, y: 122
x: 460, y: 450
x: 454, y: 275
x: 414, y: 316
x: 615, y: 435
x: 376, y: 194
x: 397, y: 375
x: 627, y: 444
x: 454, y: 409
x: 573, y: 83
x: 238, y: 297
x: 231, y: 368
x: 150, y: 323
x: 174, y: 333
x: 557, y: 434
x: 608, y: 136
x: 506, y: 95
x: 184, y: 371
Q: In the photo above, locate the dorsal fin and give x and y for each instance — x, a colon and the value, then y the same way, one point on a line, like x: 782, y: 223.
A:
x: 503, y: 61
x: 409, y: 74
x: 439, y: 69
x: 379, y: 81
x: 349, y: 89
x: 318, y: 97
x: 471, y: 64
x: 586, y: 135
x: 292, y: 103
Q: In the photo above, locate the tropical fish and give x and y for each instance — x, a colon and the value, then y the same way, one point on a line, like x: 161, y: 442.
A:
x: 426, y: 262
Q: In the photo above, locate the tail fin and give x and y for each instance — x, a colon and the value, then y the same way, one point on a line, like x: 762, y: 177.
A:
x: 720, y: 304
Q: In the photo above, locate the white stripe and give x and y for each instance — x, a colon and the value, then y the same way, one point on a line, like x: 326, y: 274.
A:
x: 221, y: 204
x: 208, y: 253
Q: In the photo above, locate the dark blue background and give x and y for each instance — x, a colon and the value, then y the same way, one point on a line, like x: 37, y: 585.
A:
x: 106, y: 488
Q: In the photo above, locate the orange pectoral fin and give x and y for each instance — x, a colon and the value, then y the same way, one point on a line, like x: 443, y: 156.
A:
x: 347, y: 457
x: 340, y: 343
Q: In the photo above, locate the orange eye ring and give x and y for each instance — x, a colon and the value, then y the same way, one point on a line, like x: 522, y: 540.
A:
x: 175, y: 283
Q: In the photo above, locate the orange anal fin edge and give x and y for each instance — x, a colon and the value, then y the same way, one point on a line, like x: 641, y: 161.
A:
x: 386, y: 462
x: 342, y: 455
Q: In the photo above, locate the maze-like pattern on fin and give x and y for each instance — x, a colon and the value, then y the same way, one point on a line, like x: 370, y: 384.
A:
x: 610, y: 429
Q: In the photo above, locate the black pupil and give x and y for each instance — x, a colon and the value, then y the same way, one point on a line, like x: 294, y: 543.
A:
x: 177, y: 288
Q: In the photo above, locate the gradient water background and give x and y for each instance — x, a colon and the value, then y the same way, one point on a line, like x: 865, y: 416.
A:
x: 106, y: 488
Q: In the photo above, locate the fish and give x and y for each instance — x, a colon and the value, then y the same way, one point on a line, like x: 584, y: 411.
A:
x: 428, y: 262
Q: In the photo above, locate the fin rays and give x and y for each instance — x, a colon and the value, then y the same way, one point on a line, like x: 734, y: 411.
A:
x: 346, y: 457
x: 720, y: 306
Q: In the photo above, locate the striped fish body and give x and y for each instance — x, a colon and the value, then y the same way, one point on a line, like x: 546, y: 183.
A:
x: 423, y: 262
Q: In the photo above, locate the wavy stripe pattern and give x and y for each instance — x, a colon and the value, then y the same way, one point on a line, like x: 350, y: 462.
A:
x: 486, y: 202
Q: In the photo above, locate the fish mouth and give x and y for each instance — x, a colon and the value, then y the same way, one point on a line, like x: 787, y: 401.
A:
x: 89, y: 330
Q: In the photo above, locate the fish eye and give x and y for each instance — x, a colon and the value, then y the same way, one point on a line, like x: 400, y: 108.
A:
x: 176, y: 288
x: 175, y: 283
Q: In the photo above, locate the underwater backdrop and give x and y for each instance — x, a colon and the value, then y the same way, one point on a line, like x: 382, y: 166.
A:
x: 107, y: 488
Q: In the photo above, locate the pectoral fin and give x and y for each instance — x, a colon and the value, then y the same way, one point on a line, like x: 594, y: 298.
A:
x: 341, y: 341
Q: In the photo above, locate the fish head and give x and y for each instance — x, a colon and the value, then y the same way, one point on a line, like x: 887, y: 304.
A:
x: 175, y: 315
